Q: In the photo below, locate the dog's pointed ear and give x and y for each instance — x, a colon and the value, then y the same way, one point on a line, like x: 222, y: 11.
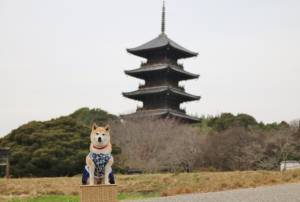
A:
x: 94, y: 126
x: 107, y: 128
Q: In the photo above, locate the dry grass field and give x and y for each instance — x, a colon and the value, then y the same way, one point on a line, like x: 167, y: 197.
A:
x: 132, y: 186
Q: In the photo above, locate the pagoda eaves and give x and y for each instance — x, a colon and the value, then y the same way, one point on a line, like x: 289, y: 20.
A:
x: 162, y: 113
x: 159, y: 69
x: 162, y: 90
x: 162, y: 43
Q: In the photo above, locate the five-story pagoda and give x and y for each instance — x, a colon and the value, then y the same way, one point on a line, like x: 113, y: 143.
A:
x: 161, y: 94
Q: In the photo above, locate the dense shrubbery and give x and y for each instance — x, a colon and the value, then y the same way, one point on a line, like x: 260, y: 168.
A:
x: 227, y: 142
x: 53, y: 148
x: 239, y: 148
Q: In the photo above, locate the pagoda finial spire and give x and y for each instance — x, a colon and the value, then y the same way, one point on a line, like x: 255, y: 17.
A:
x: 163, y: 20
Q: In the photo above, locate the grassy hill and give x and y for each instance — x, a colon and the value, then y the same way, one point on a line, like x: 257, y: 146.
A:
x: 53, y: 148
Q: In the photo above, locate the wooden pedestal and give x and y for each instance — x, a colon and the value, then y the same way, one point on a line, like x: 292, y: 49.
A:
x: 98, y: 193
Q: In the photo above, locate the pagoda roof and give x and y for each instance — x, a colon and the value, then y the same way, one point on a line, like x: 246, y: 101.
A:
x: 162, y: 112
x: 161, y: 42
x: 140, y: 72
x: 137, y: 95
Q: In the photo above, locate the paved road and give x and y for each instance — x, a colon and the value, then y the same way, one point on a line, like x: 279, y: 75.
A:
x: 279, y: 193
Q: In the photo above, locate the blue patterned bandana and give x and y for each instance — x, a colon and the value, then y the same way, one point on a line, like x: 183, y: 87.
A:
x: 100, y: 161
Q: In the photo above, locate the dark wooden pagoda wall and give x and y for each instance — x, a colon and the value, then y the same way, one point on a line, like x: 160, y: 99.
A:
x: 161, y: 102
x: 154, y: 103
x: 163, y: 79
x: 160, y: 80
x: 160, y: 59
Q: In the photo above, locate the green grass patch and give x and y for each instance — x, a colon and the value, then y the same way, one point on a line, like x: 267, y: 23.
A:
x: 65, y: 198
x: 137, y: 195
x: 48, y: 198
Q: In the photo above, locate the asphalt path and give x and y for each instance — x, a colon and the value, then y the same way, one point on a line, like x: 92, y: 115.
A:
x: 278, y: 193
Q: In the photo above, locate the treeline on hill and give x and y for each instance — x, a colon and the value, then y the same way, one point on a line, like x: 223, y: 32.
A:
x: 223, y: 143
x: 58, y: 147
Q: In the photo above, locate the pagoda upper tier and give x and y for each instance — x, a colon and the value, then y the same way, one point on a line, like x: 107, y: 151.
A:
x: 162, y: 45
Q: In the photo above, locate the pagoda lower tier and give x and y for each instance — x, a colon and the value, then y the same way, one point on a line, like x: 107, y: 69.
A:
x: 161, y: 101
x: 161, y: 113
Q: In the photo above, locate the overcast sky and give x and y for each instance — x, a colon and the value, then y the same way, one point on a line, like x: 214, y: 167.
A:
x: 59, y: 55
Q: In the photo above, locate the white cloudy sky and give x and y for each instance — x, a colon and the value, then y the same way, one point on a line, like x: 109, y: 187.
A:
x: 57, y: 56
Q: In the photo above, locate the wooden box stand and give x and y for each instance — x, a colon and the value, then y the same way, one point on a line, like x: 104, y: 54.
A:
x: 98, y: 193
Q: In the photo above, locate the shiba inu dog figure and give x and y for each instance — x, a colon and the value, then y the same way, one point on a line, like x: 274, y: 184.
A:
x: 99, y: 161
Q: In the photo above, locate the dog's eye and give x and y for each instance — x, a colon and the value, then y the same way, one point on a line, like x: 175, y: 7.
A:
x: 97, y: 133
x: 103, y: 134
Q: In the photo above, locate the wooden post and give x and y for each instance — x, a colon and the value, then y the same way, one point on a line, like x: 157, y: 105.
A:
x: 4, y: 161
x: 7, y: 173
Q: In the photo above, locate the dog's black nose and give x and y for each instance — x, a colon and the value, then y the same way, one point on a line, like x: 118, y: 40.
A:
x: 99, y: 139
